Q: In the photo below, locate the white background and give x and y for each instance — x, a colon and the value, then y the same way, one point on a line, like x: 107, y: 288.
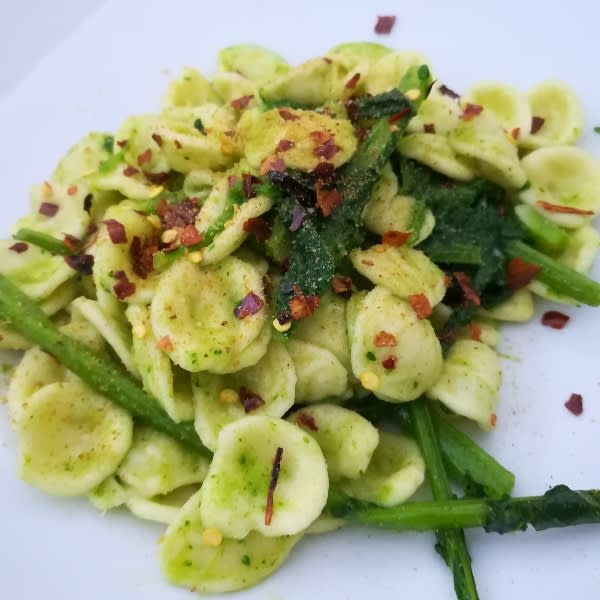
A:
x: 68, y: 68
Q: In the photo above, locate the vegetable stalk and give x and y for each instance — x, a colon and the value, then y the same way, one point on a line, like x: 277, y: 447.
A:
x: 43, y: 241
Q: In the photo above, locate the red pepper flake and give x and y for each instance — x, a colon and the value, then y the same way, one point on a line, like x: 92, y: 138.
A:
x: 248, y: 182
x: 475, y: 332
x: 567, y: 210
x: 399, y: 115
x: 306, y: 420
x: 327, y: 150
x: 259, y: 228
x: 536, y: 124
x: 144, y: 157
x: 48, y: 209
x: 19, y: 247
x: 242, y: 102
x: 575, y: 404
x: 157, y: 139
x: 123, y: 288
x: 272, y: 163
x: 82, y: 263
x: 324, y: 171
x: 121, y: 143
x: 446, y: 91
x: 470, y: 111
x: 384, y: 339
x: 342, y: 286
x: 250, y: 305
x: 555, y: 319
x: 385, y: 24
x: 285, y: 145
x: 165, y: 344
x: 302, y: 306
x: 287, y: 115
x: 272, y: 484
x: 320, y: 136
x: 493, y: 419
x: 156, y: 178
x: 465, y: 285
x: 116, y: 231
x: 177, y: 144
x: 327, y: 200
x: 515, y: 133
x: 130, y: 171
x: 141, y: 253
x: 395, y: 238
x: 190, y: 235
x: 429, y: 127
x: 250, y: 401
x: 520, y: 274
x: 353, y: 81
x: 72, y: 190
x: 421, y: 305
x: 72, y: 243
x: 389, y: 364
x: 177, y: 216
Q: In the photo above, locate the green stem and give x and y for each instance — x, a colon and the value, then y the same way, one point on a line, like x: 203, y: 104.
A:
x: 451, y: 544
x: 43, y: 241
x: 560, y: 278
x: 101, y: 374
x: 546, y: 235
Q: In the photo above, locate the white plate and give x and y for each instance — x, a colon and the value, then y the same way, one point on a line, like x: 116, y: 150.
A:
x: 117, y: 63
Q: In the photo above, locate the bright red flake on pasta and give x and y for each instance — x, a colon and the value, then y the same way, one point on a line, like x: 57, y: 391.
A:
x: 567, y: 210
x: 242, y: 102
x: 123, y: 288
x: 385, y: 24
x: 287, y: 115
x: 399, y: 115
x: 19, y: 247
x: 515, y: 133
x: 421, y: 305
x: 248, y: 182
x: 320, y: 136
x: 177, y: 216
x: 475, y: 332
x: 520, y: 273
x: 429, y: 127
x: 258, y: 227
x: 327, y: 200
x: 250, y: 305
x: 465, y: 285
x: 302, y: 306
x: 82, y: 263
x: 285, y: 145
x: 190, y: 235
x: 384, y: 339
x: 72, y: 243
x: 353, y: 81
x: 395, y: 238
x: 555, y: 319
x: 389, y: 364
x: 48, y: 209
x: 575, y: 404
x: 470, y: 111
x: 165, y: 343
x: 250, y: 401
x: 536, y: 124
x: 324, y: 171
x: 493, y: 419
x: 327, y: 150
x: 130, y: 171
x: 272, y: 485
x: 116, y: 231
x: 144, y: 157
x: 156, y: 178
x: 141, y: 252
x: 157, y: 139
x: 306, y: 420
x: 272, y: 163
x: 72, y: 190
x: 446, y: 91
x: 342, y: 286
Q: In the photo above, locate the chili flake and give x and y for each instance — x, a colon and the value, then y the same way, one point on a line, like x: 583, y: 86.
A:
x: 190, y: 235
x: 327, y: 200
x: 287, y: 115
x: 130, y: 171
x: 285, y: 145
x: 165, y: 344
x: 72, y: 190
x: 82, y: 263
x: 470, y: 111
x: 475, y: 332
x: 306, y: 420
x: 384, y: 339
x: 302, y: 306
x: 272, y: 484
x: 555, y: 319
x: 421, y: 305
x: 385, y: 24
x: 353, y: 81
x: 395, y: 238
x: 144, y: 157
x: 389, y: 364
x: 242, y: 102
x: 19, y: 247
x: 559, y: 208
x: 575, y: 404
x: 250, y: 401
x: 469, y: 293
x: 536, y: 124
x: 342, y: 286
x: 259, y: 228
x: 446, y: 91
x: 250, y: 305
x: 48, y: 209
x: 520, y: 273
x: 123, y: 288
x: 116, y: 231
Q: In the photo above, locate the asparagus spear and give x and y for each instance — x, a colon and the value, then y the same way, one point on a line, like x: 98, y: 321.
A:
x: 43, y: 241
x: 451, y: 544
x: 101, y: 374
x: 560, y: 506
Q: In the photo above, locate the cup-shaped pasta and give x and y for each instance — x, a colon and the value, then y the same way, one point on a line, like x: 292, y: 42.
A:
x: 565, y: 184
x: 209, y: 316
x: 71, y: 439
x: 108, y: 495
x: 37, y: 272
x: 508, y: 105
x: 188, y: 89
x: 386, y: 72
x: 261, y: 133
x: 493, y: 155
x: 327, y: 329
x: 252, y: 61
x: 435, y: 151
x: 560, y: 111
x: 84, y: 158
x: 266, y: 388
x: 346, y: 438
x: 402, y: 270
x: 194, y: 555
x: 320, y: 374
x: 160, y: 509
x: 231, y: 86
x: 518, y: 308
x: 57, y: 209
x: 470, y: 382
x: 266, y: 475
x: 156, y: 464
x: 170, y: 385
x: 439, y: 113
x: 395, y: 354
x: 111, y: 257
x: 579, y: 254
x: 112, y: 330
x: 481, y: 329
x: 394, y: 474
